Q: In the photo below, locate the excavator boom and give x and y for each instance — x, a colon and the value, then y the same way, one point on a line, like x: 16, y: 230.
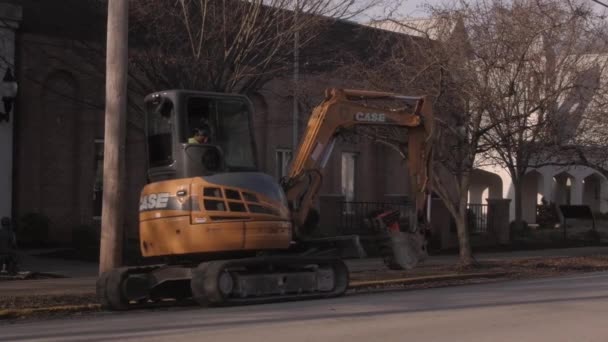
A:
x: 343, y: 109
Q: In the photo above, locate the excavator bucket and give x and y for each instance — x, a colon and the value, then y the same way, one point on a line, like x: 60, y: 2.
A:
x: 401, y: 249
x: 408, y: 249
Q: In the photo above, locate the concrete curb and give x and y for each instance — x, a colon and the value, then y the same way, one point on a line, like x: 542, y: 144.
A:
x: 427, y: 279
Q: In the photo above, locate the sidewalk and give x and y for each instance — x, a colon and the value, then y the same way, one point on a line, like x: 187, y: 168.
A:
x: 81, y: 276
x: 45, y: 287
x: 29, y: 261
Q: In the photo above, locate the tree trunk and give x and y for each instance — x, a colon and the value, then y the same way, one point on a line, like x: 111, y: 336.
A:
x: 519, y: 222
x: 464, y: 238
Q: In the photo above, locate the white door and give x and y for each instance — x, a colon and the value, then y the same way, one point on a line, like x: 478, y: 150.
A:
x: 283, y: 158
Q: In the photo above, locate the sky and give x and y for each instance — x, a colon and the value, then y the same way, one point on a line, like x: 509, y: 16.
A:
x: 413, y: 8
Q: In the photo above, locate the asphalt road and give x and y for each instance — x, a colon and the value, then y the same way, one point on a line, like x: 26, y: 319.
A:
x: 557, y: 309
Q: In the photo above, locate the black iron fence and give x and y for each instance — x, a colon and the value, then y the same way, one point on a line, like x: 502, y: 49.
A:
x: 477, y: 218
x: 353, y: 215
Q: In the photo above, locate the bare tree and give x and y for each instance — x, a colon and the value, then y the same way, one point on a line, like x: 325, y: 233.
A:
x: 525, y: 72
x: 224, y: 46
x: 228, y: 45
x: 498, y: 73
x: 432, y: 57
x: 421, y: 62
x: 578, y: 119
x: 529, y: 56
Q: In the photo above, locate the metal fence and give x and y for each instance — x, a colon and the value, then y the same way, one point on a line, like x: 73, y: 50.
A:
x: 353, y: 215
x: 477, y: 218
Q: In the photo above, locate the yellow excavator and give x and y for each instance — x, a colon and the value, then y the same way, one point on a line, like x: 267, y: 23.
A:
x: 230, y: 234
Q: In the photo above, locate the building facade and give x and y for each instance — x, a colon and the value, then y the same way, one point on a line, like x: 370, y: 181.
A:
x: 58, y: 133
x: 571, y: 185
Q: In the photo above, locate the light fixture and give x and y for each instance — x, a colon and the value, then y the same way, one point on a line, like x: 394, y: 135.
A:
x: 9, y: 93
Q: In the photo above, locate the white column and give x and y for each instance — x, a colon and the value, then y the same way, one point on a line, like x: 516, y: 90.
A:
x: 576, y: 191
x: 547, y: 187
x: 603, y: 195
x: 508, y: 192
x: 10, y: 16
x: 475, y: 192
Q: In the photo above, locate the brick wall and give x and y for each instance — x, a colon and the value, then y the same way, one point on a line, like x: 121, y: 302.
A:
x: 59, y: 116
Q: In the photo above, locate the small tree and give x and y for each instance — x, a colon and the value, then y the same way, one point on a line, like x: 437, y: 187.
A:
x: 434, y: 59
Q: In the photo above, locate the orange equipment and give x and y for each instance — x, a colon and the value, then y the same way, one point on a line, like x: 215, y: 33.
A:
x: 230, y: 234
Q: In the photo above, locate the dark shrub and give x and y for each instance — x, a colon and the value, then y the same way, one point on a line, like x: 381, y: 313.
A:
x: 85, y: 237
x: 33, y: 230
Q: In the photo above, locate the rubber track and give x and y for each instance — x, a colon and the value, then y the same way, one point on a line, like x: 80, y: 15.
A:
x: 204, y: 283
x: 109, y: 287
x: 213, y: 270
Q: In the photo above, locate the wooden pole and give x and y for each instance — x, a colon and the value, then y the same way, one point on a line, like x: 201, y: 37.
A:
x: 110, y: 255
x: 296, y: 76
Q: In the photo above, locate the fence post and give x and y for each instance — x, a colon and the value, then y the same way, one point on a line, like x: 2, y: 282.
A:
x: 441, y: 221
x: 331, y: 212
x: 498, y: 219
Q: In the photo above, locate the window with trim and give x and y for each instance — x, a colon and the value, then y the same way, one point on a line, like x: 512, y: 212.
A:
x: 283, y: 158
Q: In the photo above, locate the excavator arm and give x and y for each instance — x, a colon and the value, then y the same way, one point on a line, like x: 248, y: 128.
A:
x: 344, y: 109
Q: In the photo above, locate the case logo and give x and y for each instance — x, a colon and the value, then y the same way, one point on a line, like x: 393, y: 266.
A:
x: 154, y: 201
x: 370, y: 117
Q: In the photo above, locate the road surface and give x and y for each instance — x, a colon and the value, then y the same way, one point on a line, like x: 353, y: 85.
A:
x: 571, y: 308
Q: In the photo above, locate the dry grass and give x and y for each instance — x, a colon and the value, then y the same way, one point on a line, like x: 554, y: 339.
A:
x: 516, y: 268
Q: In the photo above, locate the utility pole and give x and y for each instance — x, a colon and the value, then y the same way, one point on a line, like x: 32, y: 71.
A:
x: 296, y: 75
x: 110, y: 255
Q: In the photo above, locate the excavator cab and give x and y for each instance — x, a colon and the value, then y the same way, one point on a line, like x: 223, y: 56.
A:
x: 194, y: 134
x: 205, y: 194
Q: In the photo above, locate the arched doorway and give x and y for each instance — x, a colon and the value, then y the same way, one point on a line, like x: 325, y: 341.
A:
x: 484, y: 185
x: 562, y: 188
x: 592, y: 189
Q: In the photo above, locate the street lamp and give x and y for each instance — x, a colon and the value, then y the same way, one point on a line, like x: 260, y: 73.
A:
x: 8, y: 90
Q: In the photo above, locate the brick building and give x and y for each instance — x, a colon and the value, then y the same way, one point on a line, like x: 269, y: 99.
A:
x: 59, y: 117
